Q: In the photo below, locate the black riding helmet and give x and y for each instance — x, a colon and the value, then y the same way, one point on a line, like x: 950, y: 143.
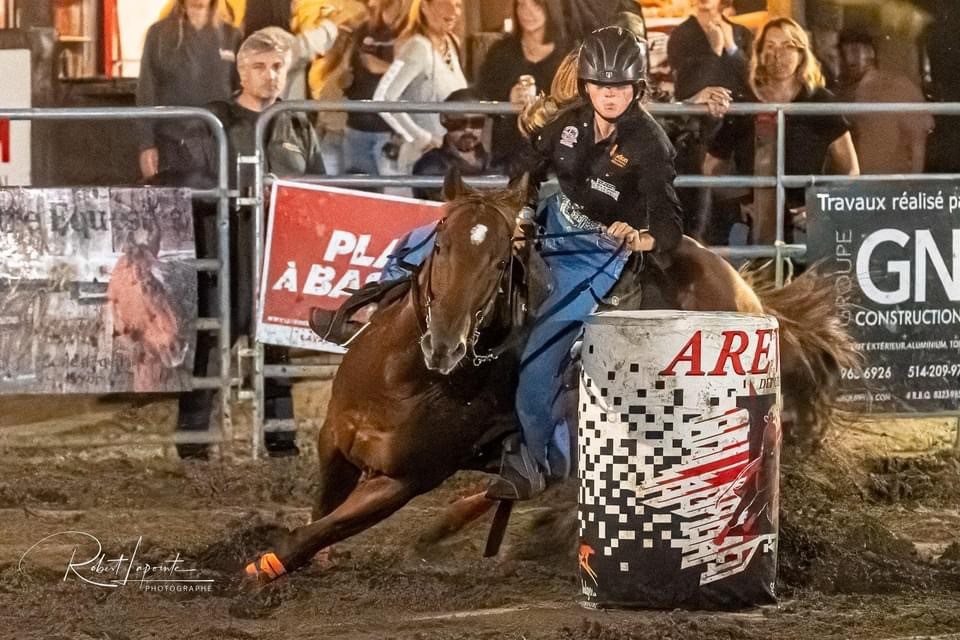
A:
x: 613, y: 55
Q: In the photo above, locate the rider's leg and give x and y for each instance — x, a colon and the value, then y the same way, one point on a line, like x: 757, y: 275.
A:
x: 583, y: 268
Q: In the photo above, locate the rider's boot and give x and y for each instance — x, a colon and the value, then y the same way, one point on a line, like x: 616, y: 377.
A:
x: 324, y: 323
x: 520, y: 475
x: 342, y: 325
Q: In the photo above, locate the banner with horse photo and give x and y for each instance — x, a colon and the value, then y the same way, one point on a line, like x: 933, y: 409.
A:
x: 323, y: 242
x: 98, y: 293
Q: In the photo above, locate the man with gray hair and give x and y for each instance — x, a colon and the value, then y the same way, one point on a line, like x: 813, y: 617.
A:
x: 292, y: 149
x: 263, y: 61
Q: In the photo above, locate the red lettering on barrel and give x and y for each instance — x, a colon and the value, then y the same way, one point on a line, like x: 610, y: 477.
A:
x: 763, y: 350
x: 727, y: 352
x: 690, y: 353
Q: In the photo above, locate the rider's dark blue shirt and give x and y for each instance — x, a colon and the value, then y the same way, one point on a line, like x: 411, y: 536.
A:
x: 628, y: 177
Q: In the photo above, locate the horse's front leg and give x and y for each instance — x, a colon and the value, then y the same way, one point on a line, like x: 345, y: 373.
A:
x: 372, y: 501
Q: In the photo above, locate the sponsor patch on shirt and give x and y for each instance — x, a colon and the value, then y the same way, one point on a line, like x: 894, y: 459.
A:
x: 620, y: 160
x: 227, y: 55
x: 605, y: 188
x: 569, y: 135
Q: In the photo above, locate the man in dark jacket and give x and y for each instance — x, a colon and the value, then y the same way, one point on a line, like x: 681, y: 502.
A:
x: 462, y: 147
x: 292, y: 149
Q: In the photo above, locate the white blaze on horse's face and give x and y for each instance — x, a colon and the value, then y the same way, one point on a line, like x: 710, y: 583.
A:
x: 478, y: 234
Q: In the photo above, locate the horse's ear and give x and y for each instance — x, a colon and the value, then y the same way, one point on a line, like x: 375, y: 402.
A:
x: 453, y: 185
x: 518, y: 188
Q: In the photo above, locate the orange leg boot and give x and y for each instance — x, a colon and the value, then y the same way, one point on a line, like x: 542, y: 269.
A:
x: 266, y: 569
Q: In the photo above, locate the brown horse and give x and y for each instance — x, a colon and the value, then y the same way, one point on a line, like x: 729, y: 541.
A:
x: 404, y: 416
x: 144, y: 318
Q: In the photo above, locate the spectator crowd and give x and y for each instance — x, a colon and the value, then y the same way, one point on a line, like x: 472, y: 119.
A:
x: 409, y: 50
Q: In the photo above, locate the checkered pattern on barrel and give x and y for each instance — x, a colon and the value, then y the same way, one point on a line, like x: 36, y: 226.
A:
x: 628, y: 441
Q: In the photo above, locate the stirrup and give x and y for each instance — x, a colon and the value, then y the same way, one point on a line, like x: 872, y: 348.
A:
x: 520, y: 475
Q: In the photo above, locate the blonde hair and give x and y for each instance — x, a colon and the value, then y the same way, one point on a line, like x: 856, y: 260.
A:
x: 416, y: 22
x: 564, y: 92
x: 808, y: 72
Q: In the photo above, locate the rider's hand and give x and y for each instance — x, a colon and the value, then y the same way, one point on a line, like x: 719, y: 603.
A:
x: 636, y: 240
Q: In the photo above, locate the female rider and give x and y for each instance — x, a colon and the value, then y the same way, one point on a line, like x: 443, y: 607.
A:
x: 614, y: 165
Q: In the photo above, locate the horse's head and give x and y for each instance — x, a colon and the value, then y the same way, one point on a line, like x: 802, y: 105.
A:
x: 142, y: 305
x: 460, y: 282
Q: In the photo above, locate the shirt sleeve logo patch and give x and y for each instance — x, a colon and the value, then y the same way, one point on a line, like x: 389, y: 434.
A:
x: 620, y: 160
x: 569, y: 135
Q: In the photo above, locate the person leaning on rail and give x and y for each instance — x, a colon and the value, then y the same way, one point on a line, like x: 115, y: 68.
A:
x: 292, y: 149
x: 188, y: 61
x: 783, y: 70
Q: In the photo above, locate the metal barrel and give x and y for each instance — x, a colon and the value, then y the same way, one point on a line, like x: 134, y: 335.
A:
x: 679, y: 439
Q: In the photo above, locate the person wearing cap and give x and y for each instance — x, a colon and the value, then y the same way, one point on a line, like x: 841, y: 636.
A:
x: 462, y: 147
x: 614, y: 165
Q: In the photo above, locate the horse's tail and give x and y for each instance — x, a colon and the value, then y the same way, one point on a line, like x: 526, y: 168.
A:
x: 815, y: 347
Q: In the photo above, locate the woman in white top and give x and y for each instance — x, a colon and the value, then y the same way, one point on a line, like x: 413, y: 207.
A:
x: 426, y: 68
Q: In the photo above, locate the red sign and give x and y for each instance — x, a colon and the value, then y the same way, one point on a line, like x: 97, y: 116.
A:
x: 321, y: 242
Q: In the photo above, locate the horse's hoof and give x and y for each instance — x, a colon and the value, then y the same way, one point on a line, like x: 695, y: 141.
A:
x: 266, y: 569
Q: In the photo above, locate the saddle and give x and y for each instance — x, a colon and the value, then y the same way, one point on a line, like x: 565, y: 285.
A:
x: 644, y: 284
x: 339, y: 326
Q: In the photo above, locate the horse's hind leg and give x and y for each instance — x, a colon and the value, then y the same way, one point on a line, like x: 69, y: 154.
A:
x: 338, y: 477
x: 372, y: 501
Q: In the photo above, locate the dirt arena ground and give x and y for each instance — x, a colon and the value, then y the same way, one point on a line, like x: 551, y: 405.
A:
x: 870, y: 547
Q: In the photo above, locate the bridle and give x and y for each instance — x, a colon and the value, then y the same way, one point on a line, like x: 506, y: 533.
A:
x: 423, y: 300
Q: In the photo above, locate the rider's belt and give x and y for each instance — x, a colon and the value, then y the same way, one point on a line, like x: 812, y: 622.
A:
x: 575, y: 215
